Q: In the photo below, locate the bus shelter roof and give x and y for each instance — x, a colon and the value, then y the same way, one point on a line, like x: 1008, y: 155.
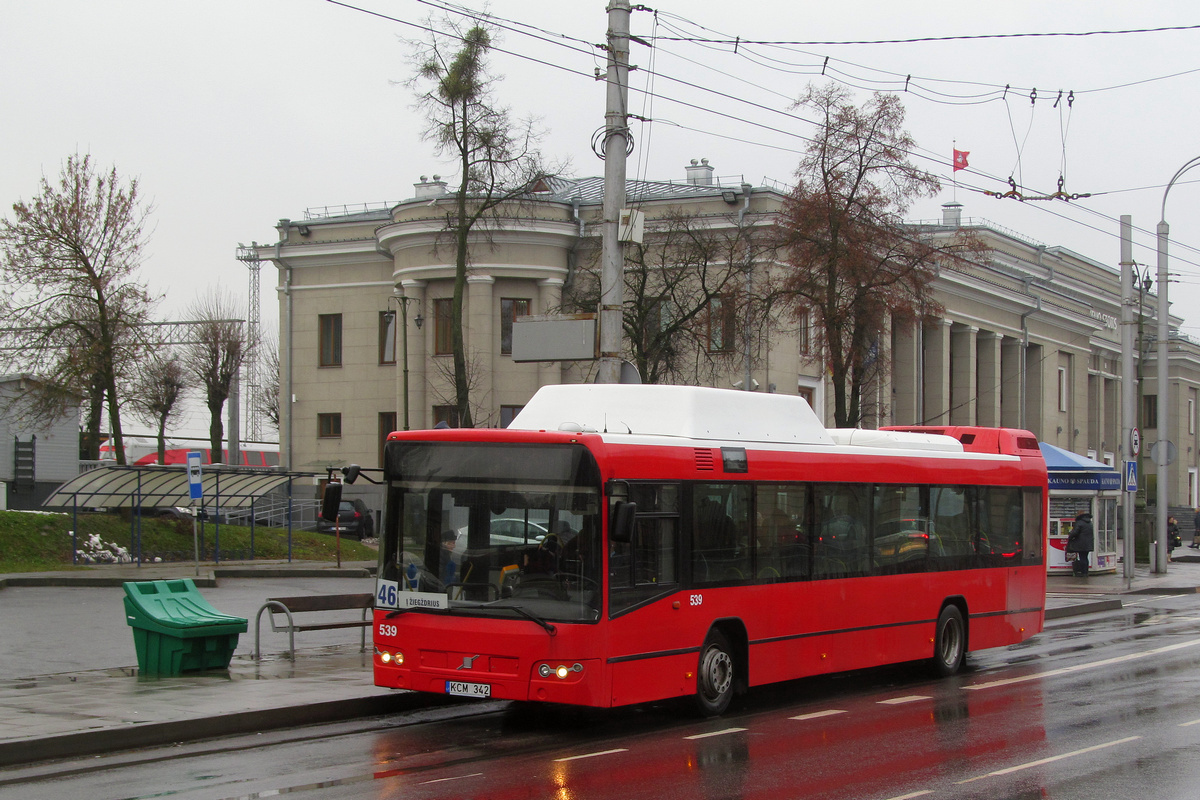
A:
x: 151, y: 486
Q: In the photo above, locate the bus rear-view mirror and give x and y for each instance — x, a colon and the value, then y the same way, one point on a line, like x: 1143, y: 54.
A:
x: 621, y: 527
x: 332, y: 501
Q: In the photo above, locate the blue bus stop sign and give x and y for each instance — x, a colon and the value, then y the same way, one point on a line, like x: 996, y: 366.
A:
x: 195, y: 488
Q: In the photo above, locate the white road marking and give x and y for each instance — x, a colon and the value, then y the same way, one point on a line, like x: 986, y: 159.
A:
x: 593, y: 755
x: 895, y: 701
x: 715, y: 733
x: 1051, y: 759
x: 910, y: 795
x: 455, y: 778
x: 1188, y: 724
x: 818, y: 714
x: 1080, y: 667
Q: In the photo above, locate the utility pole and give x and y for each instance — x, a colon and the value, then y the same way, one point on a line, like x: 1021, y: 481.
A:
x: 614, y: 152
x: 1128, y: 409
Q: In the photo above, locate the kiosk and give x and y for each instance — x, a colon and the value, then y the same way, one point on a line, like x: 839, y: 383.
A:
x: 1078, y: 484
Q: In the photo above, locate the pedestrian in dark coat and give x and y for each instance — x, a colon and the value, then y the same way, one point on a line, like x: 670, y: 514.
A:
x: 1081, y: 540
x: 1195, y: 545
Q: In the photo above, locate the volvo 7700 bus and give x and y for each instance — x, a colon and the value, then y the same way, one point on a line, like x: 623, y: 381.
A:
x: 624, y: 544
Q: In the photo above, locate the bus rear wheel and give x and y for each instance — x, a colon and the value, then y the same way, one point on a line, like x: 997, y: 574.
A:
x: 714, y: 676
x: 950, y: 642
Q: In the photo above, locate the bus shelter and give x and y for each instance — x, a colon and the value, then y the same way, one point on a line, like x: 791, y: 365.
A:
x: 1078, y: 484
x: 225, y: 489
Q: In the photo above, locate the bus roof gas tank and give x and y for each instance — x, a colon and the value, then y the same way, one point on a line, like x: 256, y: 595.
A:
x: 690, y: 412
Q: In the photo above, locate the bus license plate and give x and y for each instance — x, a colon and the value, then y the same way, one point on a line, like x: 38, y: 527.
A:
x: 468, y: 689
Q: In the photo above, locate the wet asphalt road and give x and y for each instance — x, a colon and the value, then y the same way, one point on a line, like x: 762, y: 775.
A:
x: 1102, y: 706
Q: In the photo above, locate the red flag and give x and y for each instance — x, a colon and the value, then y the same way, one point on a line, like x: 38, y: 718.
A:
x: 960, y: 159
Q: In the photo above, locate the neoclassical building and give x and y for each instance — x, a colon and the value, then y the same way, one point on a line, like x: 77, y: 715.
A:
x: 1029, y: 337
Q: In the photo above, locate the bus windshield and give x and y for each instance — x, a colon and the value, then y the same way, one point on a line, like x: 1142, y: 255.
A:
x: 500, y: 529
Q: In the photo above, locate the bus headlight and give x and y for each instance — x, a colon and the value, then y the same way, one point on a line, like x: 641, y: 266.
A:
x: 561, y: 671
x: 388, y: 657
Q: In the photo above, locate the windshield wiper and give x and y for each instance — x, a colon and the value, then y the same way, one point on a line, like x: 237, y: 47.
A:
x: 529, y: 615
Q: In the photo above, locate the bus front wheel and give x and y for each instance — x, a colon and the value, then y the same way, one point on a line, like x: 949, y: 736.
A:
x: 714, y: 677
x: 950, y: 642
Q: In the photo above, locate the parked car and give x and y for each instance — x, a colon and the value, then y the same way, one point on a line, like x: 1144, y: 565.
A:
x: 355, y: 519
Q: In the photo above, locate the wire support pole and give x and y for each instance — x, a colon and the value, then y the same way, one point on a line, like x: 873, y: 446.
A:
x: 616, y: 143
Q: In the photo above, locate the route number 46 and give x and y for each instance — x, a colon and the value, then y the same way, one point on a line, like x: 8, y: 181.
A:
x: 385, y: 597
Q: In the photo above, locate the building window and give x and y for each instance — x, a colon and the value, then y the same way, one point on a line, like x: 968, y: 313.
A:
x: 720, y: 324
x: 1062, y: 388
x: 507, y: 413
x: 1150, y: 411
x: 1191, y: 415
x: 805, y: 343
x: 330, y: 326
x: 329, y: 426
x: 387, y: 424
x: 387, y: 337
x: 446, y: 414
x: 443, y: 318
x: 510, y: 309
x: 808, y: 394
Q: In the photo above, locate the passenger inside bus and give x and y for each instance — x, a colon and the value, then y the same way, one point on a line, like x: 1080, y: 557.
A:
x: 449, y: 568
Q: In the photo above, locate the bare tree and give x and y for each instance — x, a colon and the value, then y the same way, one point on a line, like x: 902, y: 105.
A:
x: 71, y: 299
x: 267, y: 399
x: 497, y: 158
x: 850, y: 261
x: 684, y: 315
x: 158, y: 389
x: 216, y: 356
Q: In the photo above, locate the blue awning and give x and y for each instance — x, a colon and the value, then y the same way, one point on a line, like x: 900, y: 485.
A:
x: 1069, y: 470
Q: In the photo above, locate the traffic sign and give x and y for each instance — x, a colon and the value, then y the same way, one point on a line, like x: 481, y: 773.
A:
x: 1131, y: 476
x: 1135, y: 441
x: 195, y: 488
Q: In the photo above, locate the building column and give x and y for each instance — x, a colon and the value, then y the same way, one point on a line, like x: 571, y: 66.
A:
x: 481, y: 345
x: 987, y: 409
x: 418, y: 356
x: 936, y: 377
x: 1035, y: 391
x: 549, y: 296
x: 963, y: 379
x: 906, y: 371
x: 1010, y: 382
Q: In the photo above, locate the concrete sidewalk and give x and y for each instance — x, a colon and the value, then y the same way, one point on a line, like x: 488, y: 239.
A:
x: 69, y: 689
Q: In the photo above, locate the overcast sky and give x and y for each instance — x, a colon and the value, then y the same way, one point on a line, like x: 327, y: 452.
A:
x: 236, y: 113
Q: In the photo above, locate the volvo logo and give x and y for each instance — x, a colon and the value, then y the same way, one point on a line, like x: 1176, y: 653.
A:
x: 468, y: 662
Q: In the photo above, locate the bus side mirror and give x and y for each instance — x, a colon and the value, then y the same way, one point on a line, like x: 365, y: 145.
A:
x: 351, y: 472
x: 332, y: 501
x: 621, y: 525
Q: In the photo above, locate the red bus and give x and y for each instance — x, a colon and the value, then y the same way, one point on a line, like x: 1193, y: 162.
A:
x: 623, y: 544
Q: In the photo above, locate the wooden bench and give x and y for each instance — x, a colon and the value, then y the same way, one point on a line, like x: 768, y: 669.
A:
x: 290, y: 606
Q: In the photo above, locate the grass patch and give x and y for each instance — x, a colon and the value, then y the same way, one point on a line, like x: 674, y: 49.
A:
x: 32, y: 542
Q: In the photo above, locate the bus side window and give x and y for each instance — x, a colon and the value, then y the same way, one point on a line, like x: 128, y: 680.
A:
x: 781, y: 541
x: 721, y: 533
x: 1031, y: 528
x: 948, y: 516
x: 1000, y: 522
x: 647, y: 566
x: 843, y: 514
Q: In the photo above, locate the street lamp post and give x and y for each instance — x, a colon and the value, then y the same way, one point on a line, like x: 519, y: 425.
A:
x: 402, y: 301
x: 1161, y: 446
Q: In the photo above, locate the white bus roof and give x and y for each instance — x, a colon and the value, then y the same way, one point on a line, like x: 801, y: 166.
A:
x: 690, y: 412
x: 703, y: 414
